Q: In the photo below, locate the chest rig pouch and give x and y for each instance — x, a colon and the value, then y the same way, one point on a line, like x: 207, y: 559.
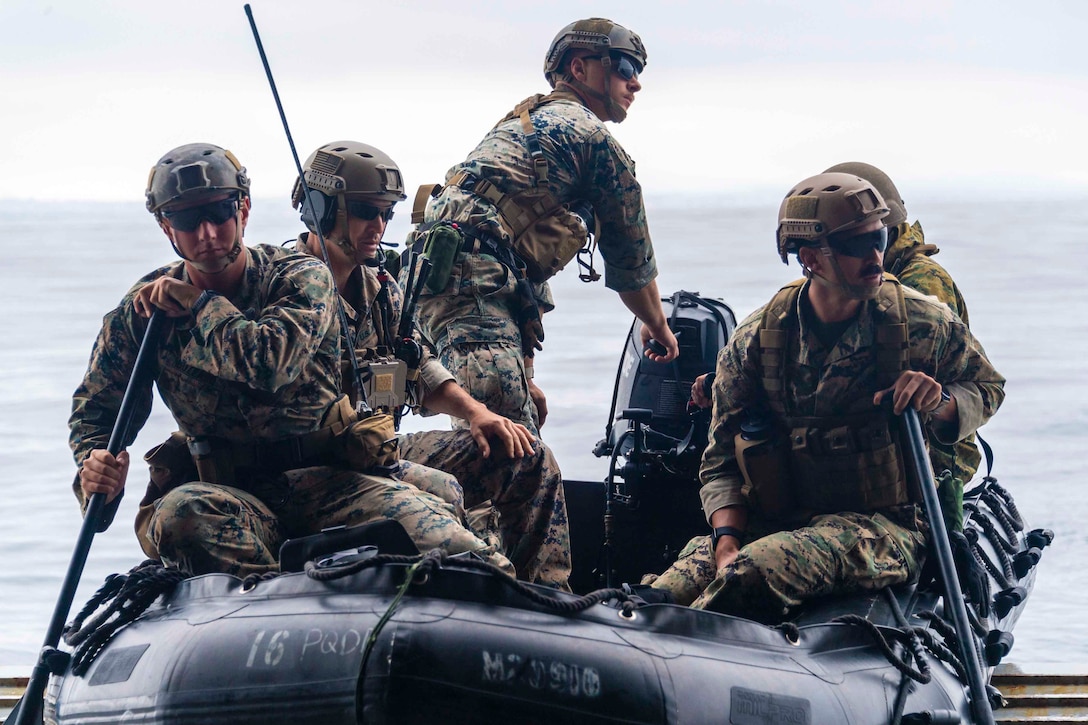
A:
x: 796, y: 467
x: 546, y: 233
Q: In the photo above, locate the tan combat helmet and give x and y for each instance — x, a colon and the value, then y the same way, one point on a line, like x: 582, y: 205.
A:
x: 823, y: 205
x: 192, y: 171
x: 898, y: 208
x: 601, y: 36
x: 344, y: 171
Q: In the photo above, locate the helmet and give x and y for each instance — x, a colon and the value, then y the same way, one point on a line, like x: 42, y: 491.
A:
x: 823, y: 205
x: 192, y: 171
x: 344, y: 170
x: 596, y: 34
x: 883, y: 184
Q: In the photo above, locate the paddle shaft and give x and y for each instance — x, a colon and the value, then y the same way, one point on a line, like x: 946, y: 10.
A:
x: 953, y: 595
x: 30, y: 704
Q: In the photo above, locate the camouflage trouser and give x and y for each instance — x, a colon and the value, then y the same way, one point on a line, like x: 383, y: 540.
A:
x: 772, y: 575
x: 203, y: 527
x: 482, y: 519
x: 527, y: 494
x: 472, y: 324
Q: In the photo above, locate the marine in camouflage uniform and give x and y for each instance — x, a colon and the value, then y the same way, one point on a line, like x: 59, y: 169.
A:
x: 249, y: 365
x: 910, y: 259
x: 554, y: 148
x: 776, y: 560
x: 515, y: 500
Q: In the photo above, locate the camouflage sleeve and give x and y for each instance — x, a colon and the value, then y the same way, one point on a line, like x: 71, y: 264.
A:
x: 736, y: 388
x: 930, y: 278
x: 942, y: 345
x: 962, y: 365
x: 617, y: 201
x: 97, y: 400
x: 270, y: 351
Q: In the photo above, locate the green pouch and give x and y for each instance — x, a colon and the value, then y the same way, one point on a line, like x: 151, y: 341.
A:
x: 442, y: 246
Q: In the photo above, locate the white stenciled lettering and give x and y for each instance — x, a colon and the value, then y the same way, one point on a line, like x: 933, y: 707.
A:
x: 274, y: 654
x: 564, y: 678
x: 536, y: 674
x: 313, y: 638
x: 493, y: 669
x: 331, y: 642
x: 254, y: 648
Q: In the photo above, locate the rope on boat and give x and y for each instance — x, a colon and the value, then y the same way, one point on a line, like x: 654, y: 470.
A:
x: 1009, y: 507
x: 437, y: 558
x: 943, y: 651
x: 129, y: 596
x: 902, y: 636
x: 1000, y: 576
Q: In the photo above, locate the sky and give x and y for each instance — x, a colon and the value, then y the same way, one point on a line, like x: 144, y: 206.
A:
x: 739, y: 97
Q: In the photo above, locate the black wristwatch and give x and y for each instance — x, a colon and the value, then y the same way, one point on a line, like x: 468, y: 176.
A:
x: 721, y: 531
x: 202, y: 300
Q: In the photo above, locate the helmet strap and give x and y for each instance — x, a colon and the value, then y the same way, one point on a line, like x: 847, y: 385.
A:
x: 613, y: 110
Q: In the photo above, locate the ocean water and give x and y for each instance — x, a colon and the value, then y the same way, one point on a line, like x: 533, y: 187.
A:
x: 64, y: 265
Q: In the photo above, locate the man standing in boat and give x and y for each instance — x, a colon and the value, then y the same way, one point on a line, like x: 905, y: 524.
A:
x: 355, y: 187
x: 803, y: 480
x: 249, y: 368
x: 523, y: 204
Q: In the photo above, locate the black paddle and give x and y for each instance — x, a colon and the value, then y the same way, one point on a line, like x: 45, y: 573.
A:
x: 939, y: 543
x: 29, y: 708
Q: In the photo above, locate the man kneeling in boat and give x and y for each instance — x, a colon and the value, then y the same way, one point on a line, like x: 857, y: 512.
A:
x: 249, y: 368
x: 354, y: 187
x: 803, y: 480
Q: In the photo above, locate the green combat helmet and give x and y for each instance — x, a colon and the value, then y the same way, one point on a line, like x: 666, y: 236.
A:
x: 193, y: 171
x: 898, y: 208
x: 602, y: 37
x: 341, y: 172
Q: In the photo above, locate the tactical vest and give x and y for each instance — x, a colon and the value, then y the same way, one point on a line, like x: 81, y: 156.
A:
x: 543, y: 231
x: 799, y: 468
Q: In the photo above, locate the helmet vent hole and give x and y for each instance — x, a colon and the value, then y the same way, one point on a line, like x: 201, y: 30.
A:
x: 207, y: 152
x: 830, y: 189
x: 365, y: 155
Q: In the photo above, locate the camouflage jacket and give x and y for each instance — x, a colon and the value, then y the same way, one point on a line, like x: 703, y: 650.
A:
x: 910, y: 259
x: 260, y: 365
x: 585, y: 162
x: 364, y: 313
x: 841, y: 381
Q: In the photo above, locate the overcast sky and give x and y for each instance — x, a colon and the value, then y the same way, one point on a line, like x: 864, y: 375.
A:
x: 737, y: 95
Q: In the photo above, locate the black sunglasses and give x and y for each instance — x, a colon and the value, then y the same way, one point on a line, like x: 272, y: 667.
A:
x: 368, y: 212
x: 217, y: 212
x: 624, y: 66
x: 860, y: 245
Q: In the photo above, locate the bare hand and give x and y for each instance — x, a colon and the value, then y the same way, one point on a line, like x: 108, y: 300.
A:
x: 913, y: 388
x: 541, y: 402
x: 172, y: 296
x: 513, y: 437
x: 698, y: 392
x: 103, y: 473
x: 666, y: 338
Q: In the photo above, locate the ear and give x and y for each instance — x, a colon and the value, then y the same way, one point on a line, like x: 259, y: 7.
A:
x: 578, y: 68
x: 811, y: 258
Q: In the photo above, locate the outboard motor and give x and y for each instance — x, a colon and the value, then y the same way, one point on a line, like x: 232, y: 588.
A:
x: 651, y: 506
